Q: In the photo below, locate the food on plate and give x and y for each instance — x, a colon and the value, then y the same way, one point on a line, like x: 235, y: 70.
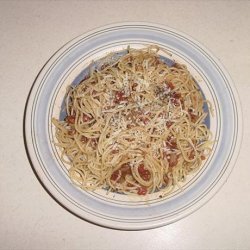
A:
x: 135, y: 125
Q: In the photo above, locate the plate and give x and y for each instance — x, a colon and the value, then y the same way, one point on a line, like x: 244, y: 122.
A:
x: 69, y: 65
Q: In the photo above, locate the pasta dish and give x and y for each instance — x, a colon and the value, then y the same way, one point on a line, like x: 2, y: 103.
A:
x: 134, y: 126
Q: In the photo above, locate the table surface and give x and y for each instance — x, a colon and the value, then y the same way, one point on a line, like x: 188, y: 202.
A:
x: 31, y: 31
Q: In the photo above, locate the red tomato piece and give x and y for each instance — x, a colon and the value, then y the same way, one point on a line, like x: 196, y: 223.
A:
x: 125, y: 169
x: 203, y: 157
x: 141, y: 168
x: 142, y: 190
x: 170, y: 85
x: 169, y: 124
x: 120, y: 96
x: 86, y: 118
x: 84, y: 139
x: 172, y: 160
x: 70, y: 119
x: 144, y: 173
x: 115, y: 176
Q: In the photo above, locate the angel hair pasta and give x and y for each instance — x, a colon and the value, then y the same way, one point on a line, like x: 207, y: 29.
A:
x: 134, y: 126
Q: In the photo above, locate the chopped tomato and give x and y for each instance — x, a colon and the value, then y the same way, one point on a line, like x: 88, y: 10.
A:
x: 203, y: 157
x: 84, y: 139
x: 169, y: 124
x: 125, y: 169
x: 193, y: 117
x: 86, y: 118
x: 70, y: 119
x: 176, y: 98
x: 172, y: 160
x: 142, y: 190
x: 170, y: 85
x: 71, y: 132
x: 144, y: 173
x: 145, y: 120
x: 191, y: 155
x: 176, y: 95
x: 176, y: 102
x: 171, y: 143
x: 115, y: 175
x: 114, y: 151
x: 94, y: 142
x: 120, y: 96
x: 141, y: 168
x: 146, y: 177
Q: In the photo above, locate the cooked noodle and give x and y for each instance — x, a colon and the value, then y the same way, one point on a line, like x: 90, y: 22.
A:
x: 136, y: 125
